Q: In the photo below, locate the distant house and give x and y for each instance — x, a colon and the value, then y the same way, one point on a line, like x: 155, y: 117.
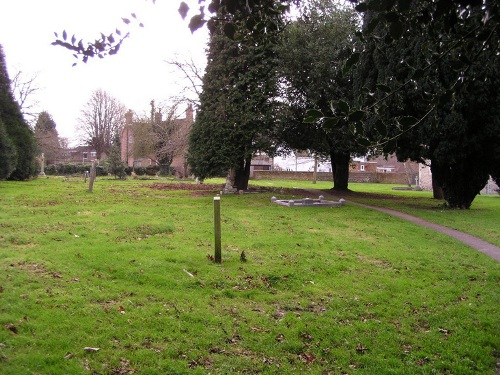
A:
x: 299, y: 161
x: 80, y: 154
x: 130, y: 132
x: 260, y: 162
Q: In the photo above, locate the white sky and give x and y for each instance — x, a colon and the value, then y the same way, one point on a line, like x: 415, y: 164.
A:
x: 135, y: 76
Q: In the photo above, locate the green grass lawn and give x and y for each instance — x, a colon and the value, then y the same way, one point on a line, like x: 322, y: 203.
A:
x: 126, y: 269
x: 482, y: 220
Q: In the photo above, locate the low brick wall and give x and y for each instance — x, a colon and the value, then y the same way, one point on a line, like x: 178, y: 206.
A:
x: 384, y: 178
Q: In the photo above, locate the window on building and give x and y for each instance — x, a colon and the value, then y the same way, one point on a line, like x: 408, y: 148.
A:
x: 362, y: 167
x: 93, y: 154
x: 85, y: 155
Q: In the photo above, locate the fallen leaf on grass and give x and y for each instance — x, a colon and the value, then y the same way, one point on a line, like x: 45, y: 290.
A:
x: 68, y: 355
x: 445, y: 331
x: 90, y: 349
x: 307, y: 358
x: 11, y: 327
x: 360, y: 348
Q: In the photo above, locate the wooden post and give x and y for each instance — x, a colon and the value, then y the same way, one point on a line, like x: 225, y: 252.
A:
x: 92, y: 177
x: 217, y: 230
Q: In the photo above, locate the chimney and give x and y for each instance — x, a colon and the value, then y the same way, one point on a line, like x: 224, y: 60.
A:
x: 158, y: 118
x: 189, y: 113
x: 128, y: 117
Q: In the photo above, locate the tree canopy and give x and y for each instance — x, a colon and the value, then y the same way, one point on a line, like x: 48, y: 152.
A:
x: 17, y: 147
x: 47, y: 137
x: 236, y: 113
x: 446, y: 112
x: 313, y: 50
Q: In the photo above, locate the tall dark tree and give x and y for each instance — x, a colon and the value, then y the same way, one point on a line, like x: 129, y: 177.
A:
x: 47, y: 137
x: 18, y: 133
x: 313, y: 51
x: 451, y: 122
x: 114, y: 161
x: 8, y: 154
x: 237, y: 105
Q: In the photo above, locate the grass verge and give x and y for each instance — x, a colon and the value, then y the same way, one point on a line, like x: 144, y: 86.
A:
x: 125, y: 270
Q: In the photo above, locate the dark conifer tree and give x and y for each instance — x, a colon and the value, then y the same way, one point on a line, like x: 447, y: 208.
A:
x: 19, y: 135
x: 458, y: 126
x: 313, y: 51
x: 236, y: 113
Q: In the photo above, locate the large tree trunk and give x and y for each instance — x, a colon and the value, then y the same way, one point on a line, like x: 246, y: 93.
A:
x: 242, y: 174
x: 340, y: 170
x: 460, y: 181
x: 437, y: 190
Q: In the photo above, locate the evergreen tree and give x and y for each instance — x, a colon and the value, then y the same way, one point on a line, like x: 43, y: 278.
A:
x: 454, y: 124
x: 114, y: 161
x: 47, y: 138
x: 312, y: 52
x: 19, y: 135
x: 237, y: 106
x: 8, y: 154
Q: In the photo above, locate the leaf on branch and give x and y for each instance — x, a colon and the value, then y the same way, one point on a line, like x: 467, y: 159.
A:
x: 392, y: 17
x: 65, y: 35
x: 384, y: 88
x: 407, y: 121
x: 356, y: 115
x: 125, y: 20
x: 390, y: 146
x: 361, y: 7
x: 133, y: 15
x: 183, y: 10
x: 417, y: 74
x: 331, y: 123
x: 359, y: 128
x: 313, y: 116
x: 364, y: 142
x: 343, y: 107
x: 372, y: 24
x: 196, y: 22
x: 445, y: 98
x: 404, y: 5
x: 352, y: 60
x: 229, y: 30
x: 381, y: 128
x: 396, y: 30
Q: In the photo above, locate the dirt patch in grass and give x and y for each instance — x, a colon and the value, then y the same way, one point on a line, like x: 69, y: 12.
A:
x: 185, y: 186
x: 36, y: 269
x: 207, y: 189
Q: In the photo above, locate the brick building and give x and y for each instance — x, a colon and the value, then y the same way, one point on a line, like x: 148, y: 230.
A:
x: 181, y: 129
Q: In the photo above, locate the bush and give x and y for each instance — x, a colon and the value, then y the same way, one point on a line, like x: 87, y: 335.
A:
x: 150, y: 170
x: 72, y: 168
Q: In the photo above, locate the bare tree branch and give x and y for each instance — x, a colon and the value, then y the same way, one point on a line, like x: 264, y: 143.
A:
x: 193, y: 74
x: 101, y: 118
x: 25, y: 89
